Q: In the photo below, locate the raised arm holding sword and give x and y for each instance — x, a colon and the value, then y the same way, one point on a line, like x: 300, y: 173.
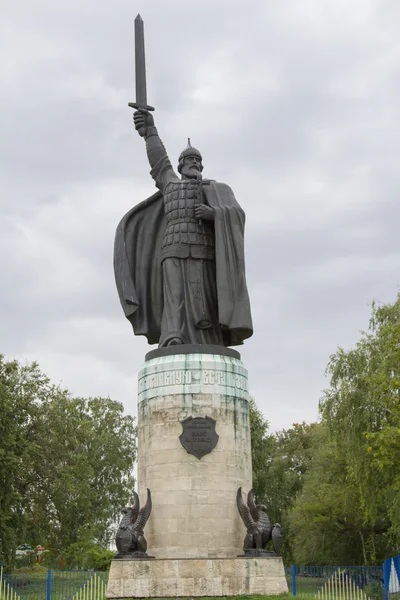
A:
x: 179, y: 255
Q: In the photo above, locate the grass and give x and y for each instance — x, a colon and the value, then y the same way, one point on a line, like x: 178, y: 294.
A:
x: 280, y: 597
x: 31, y: 570
x: 31, y: 584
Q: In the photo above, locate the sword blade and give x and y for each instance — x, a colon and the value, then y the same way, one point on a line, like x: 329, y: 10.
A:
x: 140, y: 63
x: 140, y: 68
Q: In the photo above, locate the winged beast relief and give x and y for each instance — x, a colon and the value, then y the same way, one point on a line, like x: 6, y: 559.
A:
x: 130, y: 540
x: 258, y: 525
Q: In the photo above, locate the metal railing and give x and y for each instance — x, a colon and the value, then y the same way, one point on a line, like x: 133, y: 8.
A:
x: 391, y: 576
x: 54, y: 585
x: 346, y: 583
x: 322, y: 583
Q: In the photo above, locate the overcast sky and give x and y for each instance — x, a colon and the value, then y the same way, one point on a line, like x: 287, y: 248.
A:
x: 293, y: 103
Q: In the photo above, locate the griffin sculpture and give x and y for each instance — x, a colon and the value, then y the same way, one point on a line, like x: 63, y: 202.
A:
x: 258, y: 525
x: 276, y: 538
x: 130, y: 539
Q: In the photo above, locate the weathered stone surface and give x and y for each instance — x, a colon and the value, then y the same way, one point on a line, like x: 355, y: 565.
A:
x: 194, y: 507
x: 193, y: 374
x: 197, y: 577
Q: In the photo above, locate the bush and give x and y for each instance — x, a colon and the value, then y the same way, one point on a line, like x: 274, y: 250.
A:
x: 87, y: 556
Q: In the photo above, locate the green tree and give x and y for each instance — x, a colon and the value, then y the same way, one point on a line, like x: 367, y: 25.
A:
x: 293, y: 452
x: 291, y: 459
x: 66, y: 463
x: 326, y: 520
x: 361, y: 408
x: 262, y: 444
x: 86, y: 555
x: 280, y: 461
x: 14, y: 453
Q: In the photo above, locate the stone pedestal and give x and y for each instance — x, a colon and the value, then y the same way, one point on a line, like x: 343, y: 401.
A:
x: 194, y: 531
x: 194, y: 501
x: 196, y: 578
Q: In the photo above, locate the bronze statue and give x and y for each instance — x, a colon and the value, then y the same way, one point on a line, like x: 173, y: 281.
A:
x: 276, y: 538
x: 179, y: 255
x: 130, y: 540
x: 259, y: 530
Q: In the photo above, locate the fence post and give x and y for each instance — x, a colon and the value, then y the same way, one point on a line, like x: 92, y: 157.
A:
x: 294, y: 583
x: 386, y: 577
x: 48, y: 594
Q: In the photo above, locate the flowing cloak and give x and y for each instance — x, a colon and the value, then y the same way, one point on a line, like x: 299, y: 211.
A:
x: 138, y: 271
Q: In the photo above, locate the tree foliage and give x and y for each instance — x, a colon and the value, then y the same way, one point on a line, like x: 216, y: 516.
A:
x: 349, y: 507
x: 335, y: 485
x: 326, y: 520
x: 280, y: 462
x: 86, y: 555
x: 65, y: 463
x: 362, y: 411
x: 261, y: 450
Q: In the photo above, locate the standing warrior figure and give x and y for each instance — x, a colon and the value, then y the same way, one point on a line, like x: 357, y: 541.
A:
x: 179, y: 255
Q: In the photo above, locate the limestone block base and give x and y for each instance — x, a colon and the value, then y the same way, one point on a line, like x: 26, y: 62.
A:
x: 194, y: 500
x: 196, y: 577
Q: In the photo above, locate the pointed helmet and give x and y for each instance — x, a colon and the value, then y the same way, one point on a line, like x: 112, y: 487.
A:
x: 188, y: 151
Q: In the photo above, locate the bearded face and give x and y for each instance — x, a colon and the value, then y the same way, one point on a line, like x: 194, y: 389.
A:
x: 192, y: 167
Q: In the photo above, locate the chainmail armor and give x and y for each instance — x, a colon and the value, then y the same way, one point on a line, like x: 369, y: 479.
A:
x: 185, y: 235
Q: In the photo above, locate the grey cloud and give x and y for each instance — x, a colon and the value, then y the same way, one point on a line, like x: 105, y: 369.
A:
x: 292, y: 104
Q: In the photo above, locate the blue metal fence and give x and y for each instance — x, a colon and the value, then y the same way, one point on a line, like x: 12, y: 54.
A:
x: 346, y: 583
x: 337, y: 583
x: 54, y: 585
x: 323, y: 583
x: 391, y: 577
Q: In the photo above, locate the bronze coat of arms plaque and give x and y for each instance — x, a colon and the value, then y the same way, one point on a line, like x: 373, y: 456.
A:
x: 198, y: 436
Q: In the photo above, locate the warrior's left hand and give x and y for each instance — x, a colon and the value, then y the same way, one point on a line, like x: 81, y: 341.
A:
x: 202, y: 211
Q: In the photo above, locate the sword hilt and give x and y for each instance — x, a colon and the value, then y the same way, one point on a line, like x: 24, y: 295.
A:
x: 138, y: 106
x: 142, y: 130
